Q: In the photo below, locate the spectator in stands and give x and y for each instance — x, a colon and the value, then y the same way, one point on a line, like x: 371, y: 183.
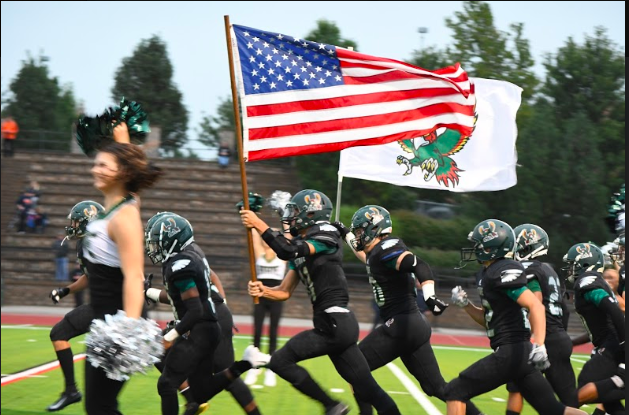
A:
x: 60, y: 250
x: 25, y: 203
x: 224, y: 153
x: 9, y: 134
x: 41, y: 219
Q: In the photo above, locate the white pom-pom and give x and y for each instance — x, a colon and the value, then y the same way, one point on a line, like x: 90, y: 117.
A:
x: 122, y: 346
x: 278, y: 200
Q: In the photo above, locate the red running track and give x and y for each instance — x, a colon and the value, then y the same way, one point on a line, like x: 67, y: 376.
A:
x: 247, y: 329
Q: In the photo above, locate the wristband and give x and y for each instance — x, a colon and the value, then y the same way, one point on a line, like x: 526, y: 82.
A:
x: 153, y: 294
x: 171, y: 335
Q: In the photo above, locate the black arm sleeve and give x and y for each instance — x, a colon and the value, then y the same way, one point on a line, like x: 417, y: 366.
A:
x: 422, y: 271
x: 617, y: 316
x: 194, y: 311
x: 286, y: 249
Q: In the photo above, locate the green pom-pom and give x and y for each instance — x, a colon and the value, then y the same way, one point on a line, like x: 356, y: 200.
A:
x: 92, y: 133
x: 136, y: 118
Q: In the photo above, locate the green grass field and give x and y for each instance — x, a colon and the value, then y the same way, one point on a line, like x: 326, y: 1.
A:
x: 27, y: 347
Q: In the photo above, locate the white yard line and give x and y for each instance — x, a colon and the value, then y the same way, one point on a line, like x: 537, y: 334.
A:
x: 419, y: 396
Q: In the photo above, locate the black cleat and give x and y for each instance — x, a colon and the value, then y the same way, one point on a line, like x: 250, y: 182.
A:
x: 67, y: 398
x: 338, y: 409
x: 193, y: 408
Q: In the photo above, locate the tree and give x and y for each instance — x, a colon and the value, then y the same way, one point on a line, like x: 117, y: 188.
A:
x: 486, y: 52
x: 211, y: 126
x: 39, y: 102
x: 590, y: 78
x: 146, y: 77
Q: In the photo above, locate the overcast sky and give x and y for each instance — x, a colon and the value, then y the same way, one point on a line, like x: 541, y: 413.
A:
x: 87, y: 41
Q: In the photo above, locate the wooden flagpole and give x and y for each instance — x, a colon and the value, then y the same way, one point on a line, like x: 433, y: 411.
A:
x: 241, y: 160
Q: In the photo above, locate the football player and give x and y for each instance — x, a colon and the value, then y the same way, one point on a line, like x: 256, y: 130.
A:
x: 191, y: 344
x: 532, y: 245
x: 602, y: 377
x: 315, y: 258
x: 392, y: 269
x: 505, y: 300
x: 77, y: 321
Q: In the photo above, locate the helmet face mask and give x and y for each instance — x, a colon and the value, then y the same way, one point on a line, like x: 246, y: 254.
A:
x: 149, y: 225
x: 80, y: 215
x: 618, y: 253
x: 531, y: 241
x: 582, y: 257
x: 169, y: 235
x: 305, y: 209
x: 368, y: 223
x: 493, y: 239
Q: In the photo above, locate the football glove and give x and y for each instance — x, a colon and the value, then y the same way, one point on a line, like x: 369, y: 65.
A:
x: 256, y: 201
x: 436, y: 305
x: 58, y: 294
x: 459, y: 296
x: 344, y: 230
x: 539, y: 357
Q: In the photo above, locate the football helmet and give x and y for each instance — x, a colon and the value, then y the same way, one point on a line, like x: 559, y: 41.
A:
x: 149, y: 225
x: 492, y: 238
x: 305, y: 209
x: 617, y: 253
x: 80, y: 215
x: 169, y: 235
x: 582, y: 257
x: 531, y: 241
x: 368, y: 223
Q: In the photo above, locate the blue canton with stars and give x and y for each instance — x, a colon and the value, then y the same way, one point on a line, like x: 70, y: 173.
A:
x: 272, y: 62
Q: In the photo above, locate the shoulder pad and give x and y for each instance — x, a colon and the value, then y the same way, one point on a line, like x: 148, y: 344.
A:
x: 591, y: 281
x: 326, y: 227
x: 508, y: 274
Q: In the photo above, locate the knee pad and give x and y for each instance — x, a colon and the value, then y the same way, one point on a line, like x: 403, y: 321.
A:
x: 57, y: 332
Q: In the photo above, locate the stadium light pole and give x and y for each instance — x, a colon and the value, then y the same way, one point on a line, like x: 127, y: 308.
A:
x: 422, y: 31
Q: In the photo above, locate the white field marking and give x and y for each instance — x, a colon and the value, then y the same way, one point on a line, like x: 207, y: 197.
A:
x: 26, y: 327
x: 419, y: 396
x: 578, y: 360
x: 499, y: 399
x: 337, y: 390
x: 31, y: 340
x: 36, y: 371
x: 256, y: 386
x: 398, y: 393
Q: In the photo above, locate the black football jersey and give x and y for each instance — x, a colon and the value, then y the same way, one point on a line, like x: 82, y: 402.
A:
x: 215, y: 296
x: 505, y: 320
x: 596, y: 321
x: 79, y: 255
x: 322, y: 273
x: 551, y: 293
x: 393, y: 290
x: 180, y: 272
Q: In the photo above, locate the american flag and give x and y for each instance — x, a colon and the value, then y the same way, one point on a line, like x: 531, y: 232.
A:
x: 300, y: 97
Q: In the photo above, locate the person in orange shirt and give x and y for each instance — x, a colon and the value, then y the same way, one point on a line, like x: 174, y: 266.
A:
x: 9, y: 134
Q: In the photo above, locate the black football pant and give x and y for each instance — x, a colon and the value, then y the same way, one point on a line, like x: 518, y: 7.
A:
x: 191, y: 358
x: 599, y: 369
x: 334, y: 335
x: 560, y: 374
x: 73, y: 324
x: 507, y: 363
x: 406, y: 336
x: 274, y: 310
x: 224, y: 355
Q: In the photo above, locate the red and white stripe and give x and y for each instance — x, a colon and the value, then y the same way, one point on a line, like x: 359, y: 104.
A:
x: 383, y: 100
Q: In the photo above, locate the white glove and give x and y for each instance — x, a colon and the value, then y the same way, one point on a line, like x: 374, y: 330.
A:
x: 539, y: 358
x: 459, y: 296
